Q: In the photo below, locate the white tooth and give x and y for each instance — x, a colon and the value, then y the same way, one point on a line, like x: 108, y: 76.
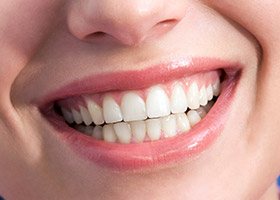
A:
x: 193, y: 96
x: 109, y: 134
x: 153, y: 128
x: 157, y: 103
x: 203, y: 96
x: 209, y: 90
x: 201, y: 111
x: 67, y: 115
x: 217, y: 88
x: 123, y: 132
x: 193, y: 117
x: 88, y: 130
x: 168, y: 125
x: 97, y: 133
x: 77, y: 116
x: 85, y: 116
x: 133, y: 107
x: 138, y: 130
x: 111, y: 110
x: 95, y: 112
x: 183, y: 123
x: 178, y: 102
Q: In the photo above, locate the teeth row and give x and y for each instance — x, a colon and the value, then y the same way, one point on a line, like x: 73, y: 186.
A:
x: 149, y: 130
x: 134, y: 108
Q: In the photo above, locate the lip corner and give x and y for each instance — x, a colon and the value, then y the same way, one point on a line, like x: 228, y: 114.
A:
x: 139, y: 156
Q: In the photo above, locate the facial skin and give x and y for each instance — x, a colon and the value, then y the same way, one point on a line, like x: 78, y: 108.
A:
x: 46, y: 44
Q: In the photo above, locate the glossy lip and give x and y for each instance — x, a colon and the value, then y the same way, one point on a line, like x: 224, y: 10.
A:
x: 149, y: 154
x: 137, y: 79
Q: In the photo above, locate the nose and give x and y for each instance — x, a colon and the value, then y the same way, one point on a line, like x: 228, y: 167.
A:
x: 130, y: 22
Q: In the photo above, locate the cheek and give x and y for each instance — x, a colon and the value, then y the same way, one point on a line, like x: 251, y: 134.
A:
x: 24, y: 25
x: 261, y: 19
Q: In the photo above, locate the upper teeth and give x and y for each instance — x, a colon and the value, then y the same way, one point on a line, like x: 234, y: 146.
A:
x: 111, y: 110
x: 193, y: 96
x: 178, y: 99
x: 95, y: 111
x: 133, y: 107
x: 157, y: 103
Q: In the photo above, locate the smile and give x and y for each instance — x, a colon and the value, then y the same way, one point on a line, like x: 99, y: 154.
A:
x: 131, y: 120
x: 160, y: 111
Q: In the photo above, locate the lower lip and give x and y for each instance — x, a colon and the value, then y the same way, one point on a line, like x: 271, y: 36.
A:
x: 152, y: 154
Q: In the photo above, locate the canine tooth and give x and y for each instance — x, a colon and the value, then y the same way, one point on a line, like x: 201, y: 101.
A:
x: 153, y: 128
x: 67, y: 115
x: 111, y: 110
x: 123, y: 132
x: 77, y: 116
x: 217, y: 88
x: 95, y: 112
x: 203, y: 96
x: 157, y: 103
x: 133, y: 107
x: 183, y: 123
x: 178, y: 101
x: 109, y: 134
x: 138, y: 130
x: 97, y: 133
x: 193, y: 96
x: 168, y: 125
x: 193, y: 117
x: 201, y: 111
x: 85, y: 116
x: 209, y: 90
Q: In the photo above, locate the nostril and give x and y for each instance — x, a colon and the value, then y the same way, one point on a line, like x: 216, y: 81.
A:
x: 96, y: 35
x: 168, y: 22
x: 158, y: 29
x: 164, y: 26
x: 99, y: 34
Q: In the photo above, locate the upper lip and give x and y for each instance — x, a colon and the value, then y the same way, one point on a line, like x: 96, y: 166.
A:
x: 136, y: 79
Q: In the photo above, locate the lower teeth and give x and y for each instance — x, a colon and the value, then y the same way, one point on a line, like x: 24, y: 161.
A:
x: 148, y: 130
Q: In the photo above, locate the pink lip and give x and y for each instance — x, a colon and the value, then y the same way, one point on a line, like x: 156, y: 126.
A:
x: 149, y: 154
x: 137, y: 79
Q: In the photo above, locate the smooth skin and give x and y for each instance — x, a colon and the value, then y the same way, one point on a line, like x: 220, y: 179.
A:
x: 46, y: 44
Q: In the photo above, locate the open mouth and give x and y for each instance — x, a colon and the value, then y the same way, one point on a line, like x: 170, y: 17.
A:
x: 160, y: 111
x: 140, y: 122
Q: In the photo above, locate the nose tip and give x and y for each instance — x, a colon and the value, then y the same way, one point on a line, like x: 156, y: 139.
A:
x: 128, y: 22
